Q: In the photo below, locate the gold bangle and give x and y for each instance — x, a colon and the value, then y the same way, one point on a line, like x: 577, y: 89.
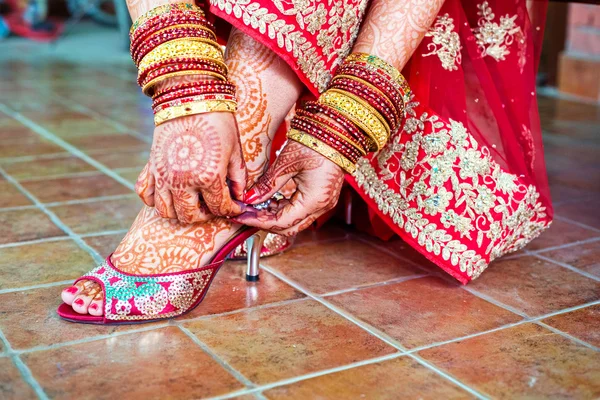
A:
x: 165, y: 8
x: 322, y: 148
x: 366, y: 105
x: 360, y: 115
x: 341, y: 137
x: 193, y: 108
x: 146, y: 89
x: 192, y: 47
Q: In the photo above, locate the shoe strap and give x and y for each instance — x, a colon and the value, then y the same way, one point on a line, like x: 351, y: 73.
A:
x: 144, y: 297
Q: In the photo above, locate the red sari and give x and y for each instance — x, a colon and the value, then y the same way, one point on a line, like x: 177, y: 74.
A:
x: 463, y: 180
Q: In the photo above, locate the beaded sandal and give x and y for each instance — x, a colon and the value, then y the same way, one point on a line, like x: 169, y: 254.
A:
x: 130, y: 299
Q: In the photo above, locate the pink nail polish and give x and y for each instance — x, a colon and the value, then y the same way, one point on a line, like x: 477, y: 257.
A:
x: 71, y: 290
x: 94, y: 306
x: 78, y: 302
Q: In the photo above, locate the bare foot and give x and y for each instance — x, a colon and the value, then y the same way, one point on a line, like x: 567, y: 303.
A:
x: 154, y: 245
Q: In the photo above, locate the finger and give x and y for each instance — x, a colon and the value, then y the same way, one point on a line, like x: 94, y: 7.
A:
x: 288, y: 214
x: 268, y: 184
x: 187, y: 207
x: 163, y: 203
x: 302, y: 225
x: 237, y: 174
x: 144, y: 186
x: 218, y: 200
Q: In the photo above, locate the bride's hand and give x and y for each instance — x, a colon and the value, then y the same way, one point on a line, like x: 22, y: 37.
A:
x: 318, y: 185
x: 191, y: 161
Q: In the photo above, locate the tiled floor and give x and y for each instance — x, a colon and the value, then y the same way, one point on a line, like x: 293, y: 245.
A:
x: 340, y: 316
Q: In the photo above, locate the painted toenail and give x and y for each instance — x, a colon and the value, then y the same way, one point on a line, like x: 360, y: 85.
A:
x: 72, y: 289
x: 78, y: 302
x: 94, y: 306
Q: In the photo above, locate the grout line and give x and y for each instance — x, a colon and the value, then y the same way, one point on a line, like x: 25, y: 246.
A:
x: 237, y: 374
x: 104, y: 233
x: 374, y: 285
x: 53, y: 217
x: 568, y: 266
x: 372, y: 330
x: 316, y: 374
x: 564, y: 246
x: 100, y: 117
x: 36, y: 241
x: 60, y: 142
x: 91, y: 339
x: 22, y: 368
x: 91, y: 200
x: 81, y: 174
x: 40, y: 286
x: 566, y: 335
x: 561, y: 218
x: 495, y: 302
x: 39, y: 157
x: 18, y: 208
x: 566, y: 310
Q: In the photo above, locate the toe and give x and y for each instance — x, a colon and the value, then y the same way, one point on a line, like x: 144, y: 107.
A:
x: 95, y: 307
x: 84, y: 298
x: 68, y: 294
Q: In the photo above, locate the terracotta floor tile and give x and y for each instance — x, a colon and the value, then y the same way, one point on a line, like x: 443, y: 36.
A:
x: 105, y: 244
x: 21, y: 170
x: 401, y: 378
x: 584, y: 324
x: 12, y: 385
x: 16, y: 133
x: 230, y: 291
x: 34, y: 264
x: 330, y: 231
x: 423, y: 311
x: 131, y: 175
x: 10, y: 196
x: 561, y: 193
x: 109, y: 142
x: 280, y: 342
x: 328, y: 267
x: 403, y: 249
x: 162, y: 362
x: 586, y: 212
x: 23, y: 225
x: 75, y: 188
x: 34, y: 147
x: 559, y: 233
x: 131, y: 159
x: 29, y: 320
x: 526, y: 361
x: 535, y: 286
x: 99, y: 216
x: 586, y: 257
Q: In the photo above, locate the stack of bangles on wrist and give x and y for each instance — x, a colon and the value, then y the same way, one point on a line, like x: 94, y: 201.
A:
x: 362, y: 106
x: 176, y: 40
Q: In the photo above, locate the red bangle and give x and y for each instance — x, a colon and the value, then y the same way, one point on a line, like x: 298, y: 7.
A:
x: 162, y: 21
x: 178, y: 64
x: 376, y: 100
x: 315, y: 107
x: 221, y: 89
x: 189, y: 85
x: 380, y: 82
x: 305, y: 116
x: 163, y: 37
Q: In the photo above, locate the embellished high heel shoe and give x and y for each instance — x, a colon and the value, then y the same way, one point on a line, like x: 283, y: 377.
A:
x: 130, y: 299
x: 273, y: 244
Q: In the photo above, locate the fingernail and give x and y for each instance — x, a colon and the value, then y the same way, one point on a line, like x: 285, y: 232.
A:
x: 94, y: 306
x: 78, y: 302
x: 250, y: 196
x: 71, y: 289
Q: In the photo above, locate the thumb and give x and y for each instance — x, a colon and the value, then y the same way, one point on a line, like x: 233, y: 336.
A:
x: 237, y: 174
x: 268, y: 184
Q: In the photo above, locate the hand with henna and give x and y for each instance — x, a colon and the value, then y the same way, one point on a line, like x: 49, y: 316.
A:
x: 191, y: 161
x: 318, y: 185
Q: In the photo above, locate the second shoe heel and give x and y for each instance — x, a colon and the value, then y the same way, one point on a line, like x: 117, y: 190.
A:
x: 254, y: 245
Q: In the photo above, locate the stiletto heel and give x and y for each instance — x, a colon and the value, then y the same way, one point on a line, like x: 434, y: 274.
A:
x: 254, y: 245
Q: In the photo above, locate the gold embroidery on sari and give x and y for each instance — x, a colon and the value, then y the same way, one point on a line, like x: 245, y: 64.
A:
x: 494, y: 38
x: 451, y: 194
x: 337, y: 22
x: 445, y: 43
